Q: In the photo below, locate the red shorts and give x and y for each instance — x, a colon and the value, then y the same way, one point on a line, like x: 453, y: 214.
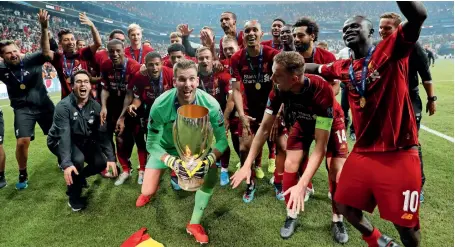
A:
x: 390, y: 180
x: 337, y: 147
x: 298, y: 139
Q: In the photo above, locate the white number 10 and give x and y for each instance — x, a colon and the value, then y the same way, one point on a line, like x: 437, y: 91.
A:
x: 411, y: 201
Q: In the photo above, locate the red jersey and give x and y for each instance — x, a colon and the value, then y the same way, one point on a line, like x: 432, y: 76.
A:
x: 148, y: 90
x: 135, y: 55
x: 65, y: 67
x: 218, y: 85
x: 239, y: 37
x: 386, y: 123
x: 256, y: 90
x: 116, y: 80
x: 315, y: 100
x: 100, y: 57
x: 271, y: 44
x: 321, y: 56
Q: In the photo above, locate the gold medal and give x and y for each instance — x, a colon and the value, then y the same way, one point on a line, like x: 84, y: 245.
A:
x: 22, y: 86
x: 363, y: 102
x: 258, y: 86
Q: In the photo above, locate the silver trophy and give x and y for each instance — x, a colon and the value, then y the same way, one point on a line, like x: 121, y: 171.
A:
x: 193, y: 136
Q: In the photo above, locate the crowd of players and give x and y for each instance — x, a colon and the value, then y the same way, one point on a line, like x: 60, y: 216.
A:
x: 281, y: 91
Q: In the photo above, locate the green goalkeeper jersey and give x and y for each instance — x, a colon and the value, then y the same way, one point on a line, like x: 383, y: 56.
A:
x: 164, y: 113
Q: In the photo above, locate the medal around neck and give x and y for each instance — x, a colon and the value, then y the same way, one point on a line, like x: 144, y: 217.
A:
x: 193, y: 136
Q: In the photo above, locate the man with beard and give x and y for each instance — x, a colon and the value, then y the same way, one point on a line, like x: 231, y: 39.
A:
x: 22, y: 75
x: 305, y: 33
x: 275, y: 42
x: 286, y: 38
x: 228, y: 21
x: 216, y: 84
x: 252, y: 69
x: 163, y: 154
x: 137, y: 51
x: 116, y: 73
x: 146, y: 88
x: 77, y: 136
x: 385, y: 150
x: 418, y: 62
x: 72, y: 60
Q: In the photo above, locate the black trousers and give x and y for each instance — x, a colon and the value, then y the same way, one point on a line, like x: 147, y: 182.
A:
x: 89, y: 153
x: 345, y: 107
x: 417, y: 106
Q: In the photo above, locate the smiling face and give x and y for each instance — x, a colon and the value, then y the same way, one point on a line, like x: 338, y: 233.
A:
x: 68, y: 43
x: 252, y: 33
x: 154, y: 66
x: 116, y: 53
x: 276, y: 28
x: 356, y: 31
x: 205, y: 60
x: 302, y: 39
x: 11, y: 54
x: 186, y: 82
x: 135, y: 36
x: 229, y: 48
x: 386, y: 27
x: 286, y: 35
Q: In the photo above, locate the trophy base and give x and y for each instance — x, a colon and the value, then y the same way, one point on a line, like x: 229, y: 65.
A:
x: 192, y: 184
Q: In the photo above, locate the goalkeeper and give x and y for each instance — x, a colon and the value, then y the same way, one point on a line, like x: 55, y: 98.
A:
x: 160, y: 143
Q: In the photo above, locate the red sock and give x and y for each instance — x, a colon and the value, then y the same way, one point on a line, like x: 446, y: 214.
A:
x: 302, y: 170
x: 289, y: 180
x: 142, y: 154
x: 278, y: 178
x: 372, y: 240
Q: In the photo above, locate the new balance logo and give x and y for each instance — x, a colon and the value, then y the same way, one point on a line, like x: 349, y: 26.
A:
x: 407, y: 216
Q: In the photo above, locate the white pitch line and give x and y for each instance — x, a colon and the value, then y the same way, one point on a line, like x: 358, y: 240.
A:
x: 53, y: 97
x: 434, y: 132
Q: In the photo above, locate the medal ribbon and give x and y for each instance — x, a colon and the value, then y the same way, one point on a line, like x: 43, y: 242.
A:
x: 122, y: 76
x: 68, y: 71
x: 260, y: 58
x: 157, y: 89
x: 140, y: 54
x: 361, y: 85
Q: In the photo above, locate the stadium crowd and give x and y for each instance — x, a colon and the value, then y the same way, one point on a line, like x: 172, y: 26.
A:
x: 120, y: 90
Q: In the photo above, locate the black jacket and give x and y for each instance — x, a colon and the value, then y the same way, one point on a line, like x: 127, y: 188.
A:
x: 80, y: 127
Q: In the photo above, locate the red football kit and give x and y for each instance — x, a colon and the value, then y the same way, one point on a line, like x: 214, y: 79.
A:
x: 239, y: 37
x: 383, y: 169
x: 66, y: 66
x: 139, y: 54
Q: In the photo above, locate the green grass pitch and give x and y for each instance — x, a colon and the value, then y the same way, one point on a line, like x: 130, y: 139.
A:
x: 39, y: 216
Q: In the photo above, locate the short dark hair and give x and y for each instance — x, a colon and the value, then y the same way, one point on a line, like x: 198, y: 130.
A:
x: 62, y: 32
x: 79, y: 40
x: 147, y: 41
x: 114, y: 32
x: 152, y: 55
x: 233, y: 15
x: 5, y: 43
x: 279, y: 19
x: 364, y: 18
x: 312, y: 26
x: 391, y: 15
x: 115, y: 42
x: 82, y: 71
x: 176, y: 47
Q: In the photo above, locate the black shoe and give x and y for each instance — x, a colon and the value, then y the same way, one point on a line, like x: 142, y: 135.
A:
x: 76, y: 204
x: 289, y: 227
x: 385, y: 241
x: 85, y: 184
x: 352, y: 136
x: 2, y: 182
x: 339, y: 233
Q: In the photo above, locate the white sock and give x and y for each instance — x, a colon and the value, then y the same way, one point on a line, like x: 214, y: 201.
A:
x: 337, y: 218
x: 292, y: 215
x: 224, y: 169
